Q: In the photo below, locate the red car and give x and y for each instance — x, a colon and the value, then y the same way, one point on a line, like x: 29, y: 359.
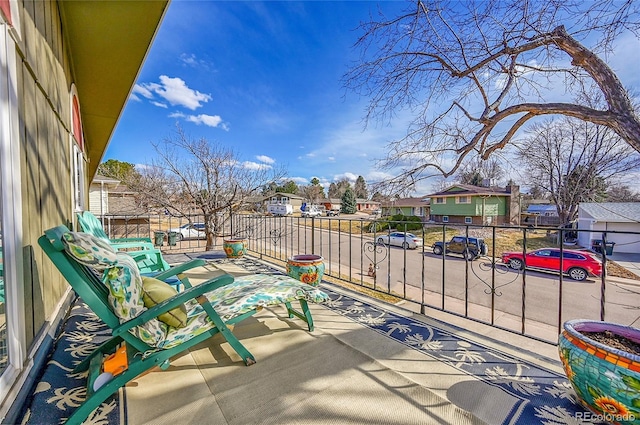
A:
x: 576, y: 264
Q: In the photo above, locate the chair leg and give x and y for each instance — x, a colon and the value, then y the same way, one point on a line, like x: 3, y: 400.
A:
x: 305, y: 315
x: 234, y: 342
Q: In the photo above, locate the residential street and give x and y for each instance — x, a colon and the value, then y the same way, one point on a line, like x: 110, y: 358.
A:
x: 475, y: 289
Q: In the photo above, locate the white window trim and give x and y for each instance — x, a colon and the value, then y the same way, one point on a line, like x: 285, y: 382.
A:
x: 445, y: 218
x: 468, y: 220
x: 440, y: 200
x: 78, y: 173
x: 11, y: 216
x: 459, y: 199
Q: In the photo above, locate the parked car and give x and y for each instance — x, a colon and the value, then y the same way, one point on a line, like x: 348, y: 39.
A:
x: 578, y: 265
x: 469, y: 248
x: 333, y: 212
x: 311, y: 211
x: 405, y: 240
x: 189, y: 231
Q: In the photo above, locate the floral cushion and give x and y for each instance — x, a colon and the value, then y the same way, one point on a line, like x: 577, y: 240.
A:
x: 241, y: 296
x: 125, y: 296
x: 155, y: 291
x: 89, y: 250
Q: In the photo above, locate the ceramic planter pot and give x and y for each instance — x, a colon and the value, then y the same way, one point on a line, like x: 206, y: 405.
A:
x: 306, y: 268
x: 235, y: 248
x: 605, y: 379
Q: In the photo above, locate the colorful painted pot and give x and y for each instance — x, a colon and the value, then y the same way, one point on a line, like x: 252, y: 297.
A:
x: 606, y: 380
x: 306, y: 268
x: 235, y: 248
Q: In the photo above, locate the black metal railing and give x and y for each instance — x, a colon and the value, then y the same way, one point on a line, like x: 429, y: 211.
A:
x: 484, y: 289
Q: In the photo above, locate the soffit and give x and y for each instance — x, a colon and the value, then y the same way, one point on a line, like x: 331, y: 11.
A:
x: 108, y: 42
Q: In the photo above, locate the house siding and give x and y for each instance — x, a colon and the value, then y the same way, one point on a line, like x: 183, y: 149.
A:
x: 44, y: 107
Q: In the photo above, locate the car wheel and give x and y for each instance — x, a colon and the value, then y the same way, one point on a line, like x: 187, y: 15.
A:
x: 469, y: 255
x: 381, y: 241
x: 516, y: 264
x: 437, y: 250
x: 405, y: 245
x: 179, y: 237
x: 578, y: 273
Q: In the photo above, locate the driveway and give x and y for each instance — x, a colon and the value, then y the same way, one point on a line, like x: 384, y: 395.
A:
x: 628, y: 260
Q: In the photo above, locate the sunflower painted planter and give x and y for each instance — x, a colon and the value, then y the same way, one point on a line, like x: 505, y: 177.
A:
x: 306, y: 268
x: 235, y: 248
x: 606, y: 380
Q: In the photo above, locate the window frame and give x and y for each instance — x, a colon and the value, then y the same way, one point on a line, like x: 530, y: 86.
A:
x: 11, y: 195
x: 78, y: 159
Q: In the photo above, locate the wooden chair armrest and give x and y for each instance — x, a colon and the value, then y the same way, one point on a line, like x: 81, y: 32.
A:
x: 181, y: 268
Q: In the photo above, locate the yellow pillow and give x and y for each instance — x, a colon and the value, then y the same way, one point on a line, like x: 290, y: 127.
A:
x: 155, y: 291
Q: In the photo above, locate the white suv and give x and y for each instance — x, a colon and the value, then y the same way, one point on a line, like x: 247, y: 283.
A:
x: 311, y: 212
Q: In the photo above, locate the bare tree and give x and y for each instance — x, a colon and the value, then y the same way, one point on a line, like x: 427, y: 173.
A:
x: 472, y: 73
x: 621, y: 193
x: 572, y: 161
x: 476, y: 171
x: 312, y: 193
x: 195, y: 173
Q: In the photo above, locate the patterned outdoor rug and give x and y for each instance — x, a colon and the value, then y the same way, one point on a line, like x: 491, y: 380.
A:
x: 537, y: 395
x: 60, y: 391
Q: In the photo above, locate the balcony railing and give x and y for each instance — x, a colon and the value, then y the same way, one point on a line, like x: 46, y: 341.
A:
x: 526, y: 302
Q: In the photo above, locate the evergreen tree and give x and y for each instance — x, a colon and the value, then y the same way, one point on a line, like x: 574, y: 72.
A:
x: 288, y: 187
x: 349, y: 202
x: 119, y: 170
x: 360, y: 188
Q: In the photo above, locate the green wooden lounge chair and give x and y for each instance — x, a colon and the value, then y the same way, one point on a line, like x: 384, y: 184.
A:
x: 148, y: 257
x: 110, y: 284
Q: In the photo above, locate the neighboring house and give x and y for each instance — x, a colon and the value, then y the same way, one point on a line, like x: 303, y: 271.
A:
x: 367, y: 205
x: 280, y: 198
x: 418, y: 207
x: 331, y: 204
x: 610, y: 216
x: 67, y: 69
x: 117, y: 208
x: 467, y: 204
x: 541, y: 215
x: 99, y: 191
x: 544, y: 210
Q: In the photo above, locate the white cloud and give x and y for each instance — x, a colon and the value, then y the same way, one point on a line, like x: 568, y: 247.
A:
x: 159, y: 104
x: 349, y: 176
x: 189, y: 59
x: 208, y: 120
x: 265, y: 159
x: 142, y: 91
x: 174, y: 91
x: 255, y: 165
x: 299, y: 180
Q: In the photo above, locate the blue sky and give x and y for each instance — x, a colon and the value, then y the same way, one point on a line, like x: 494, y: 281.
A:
x: 265, y: 79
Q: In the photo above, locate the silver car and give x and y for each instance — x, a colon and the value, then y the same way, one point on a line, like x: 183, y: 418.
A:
x: 405, y: 240
x: 189, y: 231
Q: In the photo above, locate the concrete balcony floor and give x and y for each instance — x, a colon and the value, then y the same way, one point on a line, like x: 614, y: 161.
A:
x: 366, y: 362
